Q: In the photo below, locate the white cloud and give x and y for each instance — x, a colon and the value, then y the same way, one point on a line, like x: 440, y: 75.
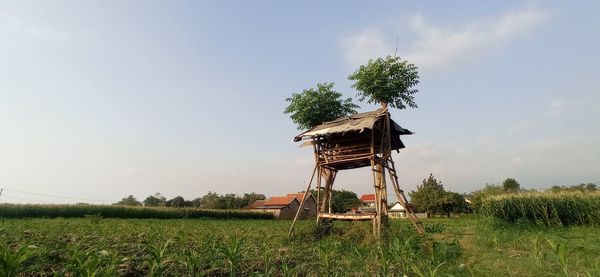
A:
x: 364, y: 45
x: 434, y: 46
x: 556, y: 109
x: 40, y: 31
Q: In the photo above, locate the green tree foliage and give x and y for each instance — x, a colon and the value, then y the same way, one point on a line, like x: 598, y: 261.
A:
x: 431, y: 197
x: 178, y: 202
x: 341, y: 200
x: 249, y: 198
x: 156, y: 200
x: 478, y: 196
x: 390, y: 80
x: 312, y: 106
x: 583, y: 187
x: 511, y: 185
x: 210, y: 201
x: 197, y: 202
x: 453, y: 202
x: 344, y: 200
x: 230, y: 201
x: 129, y: 201
x: 213, y: 200
x: 428, y: 195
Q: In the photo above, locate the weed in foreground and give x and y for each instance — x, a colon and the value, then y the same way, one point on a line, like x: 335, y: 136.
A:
x: 11, y: 262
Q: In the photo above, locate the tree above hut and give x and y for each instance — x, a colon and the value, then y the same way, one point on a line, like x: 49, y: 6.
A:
x: 388, y: 81
x: 313, y: 106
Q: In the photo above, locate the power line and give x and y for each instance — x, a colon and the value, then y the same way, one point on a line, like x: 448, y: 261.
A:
x: 58, y: 196
x: 24, y: 199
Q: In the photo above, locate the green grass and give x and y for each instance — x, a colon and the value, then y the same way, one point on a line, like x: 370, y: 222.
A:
x: 112, y: 211
x: 469, y: 246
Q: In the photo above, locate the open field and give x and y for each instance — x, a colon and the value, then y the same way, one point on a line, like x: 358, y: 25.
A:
x: 469, y: 246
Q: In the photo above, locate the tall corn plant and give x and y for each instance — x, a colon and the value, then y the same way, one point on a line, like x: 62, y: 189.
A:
x: 11, y: 262
x: 550, y: 209
x: 156, y: 259
x: 232, y: 250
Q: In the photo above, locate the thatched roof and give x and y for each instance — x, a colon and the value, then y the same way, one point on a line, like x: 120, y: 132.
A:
x: 353, y: 123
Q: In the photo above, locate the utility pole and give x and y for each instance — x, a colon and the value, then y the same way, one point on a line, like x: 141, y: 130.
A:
x: 1, y: 190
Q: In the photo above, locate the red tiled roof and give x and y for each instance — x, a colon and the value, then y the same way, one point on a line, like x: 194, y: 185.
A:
x: 257, y: 203
x: 367, y: 198
x: 298, y: 195
x: 279, y: 200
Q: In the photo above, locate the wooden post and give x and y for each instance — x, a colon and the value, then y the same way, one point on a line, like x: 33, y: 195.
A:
x: 378, y: 167
x: 382, y: 199
x: 329, y: 176
x: 306, y: 192
x: 319, y: 176
x: 386, y: 153
x: 373, y: 169
x: 323, y: 200
x: 330, y: 197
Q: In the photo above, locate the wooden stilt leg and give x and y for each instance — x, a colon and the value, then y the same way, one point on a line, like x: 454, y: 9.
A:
x: 330, y: 196
x: 306, y: 192
x: 327, y: 174
x: 381, y: 183
x: 319, y: 176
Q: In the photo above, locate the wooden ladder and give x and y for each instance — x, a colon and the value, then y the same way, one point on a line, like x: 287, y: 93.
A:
x: 402, y: 198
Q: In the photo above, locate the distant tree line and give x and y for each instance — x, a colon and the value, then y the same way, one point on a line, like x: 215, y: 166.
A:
x: 430, y: 197
x: 212, y: 200
x: 589, y: 187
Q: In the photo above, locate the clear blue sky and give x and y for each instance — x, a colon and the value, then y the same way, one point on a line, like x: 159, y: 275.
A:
x: 101, y: 99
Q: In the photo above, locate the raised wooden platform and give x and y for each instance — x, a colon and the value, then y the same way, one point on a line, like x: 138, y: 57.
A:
x: 347, y: 216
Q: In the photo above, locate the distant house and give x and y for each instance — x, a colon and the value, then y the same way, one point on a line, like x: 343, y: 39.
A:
x: 397, y: 211
x: 368, y: 201
x: 310, y: 205
x: 394, y: 211
x: 285, y: 207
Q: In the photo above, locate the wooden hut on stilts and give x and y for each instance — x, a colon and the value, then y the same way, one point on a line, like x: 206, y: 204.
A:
x: 360, y: 140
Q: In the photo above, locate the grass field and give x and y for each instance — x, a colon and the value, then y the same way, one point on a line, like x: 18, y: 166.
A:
x: 469, y: 246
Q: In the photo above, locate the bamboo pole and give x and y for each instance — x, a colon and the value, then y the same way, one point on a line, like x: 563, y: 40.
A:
x: 319, y: 176
x: 402, y: 199
x: 386, y: 152
x: 306, y: 192
x: 331, y: 189
x: 327, y: 173
x: 373, y: 169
